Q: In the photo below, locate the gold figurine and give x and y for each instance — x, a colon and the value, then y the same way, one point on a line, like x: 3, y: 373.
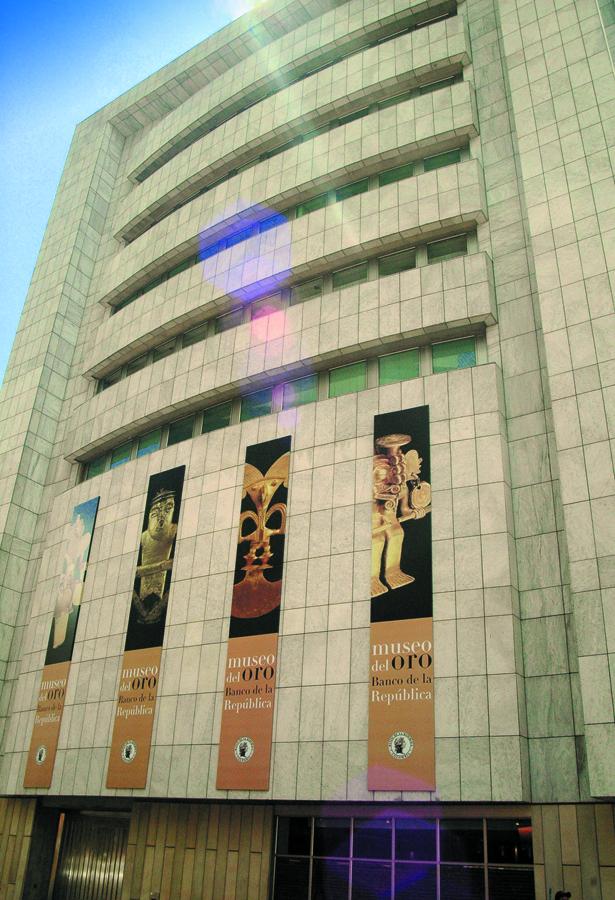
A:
x: 156, y: 560
x: 399, y: 495
x: 255, y: 595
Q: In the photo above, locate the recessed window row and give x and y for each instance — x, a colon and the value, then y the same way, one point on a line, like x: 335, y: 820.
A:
x: 365, y: 270
x: 302, y: 138
x: 358, y: 186
x: 411, y: 23
x: 357, y: 376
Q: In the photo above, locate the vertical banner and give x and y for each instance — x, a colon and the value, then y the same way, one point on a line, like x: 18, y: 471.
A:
x: 401, y: 696
x: 252, y: 656
x: 139, y: 674
x: 69, y: 590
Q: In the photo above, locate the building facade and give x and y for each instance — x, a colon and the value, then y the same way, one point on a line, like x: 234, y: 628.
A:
x: 326, y: 212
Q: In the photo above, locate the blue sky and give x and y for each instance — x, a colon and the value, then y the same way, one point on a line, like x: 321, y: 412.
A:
x: 60, y: 61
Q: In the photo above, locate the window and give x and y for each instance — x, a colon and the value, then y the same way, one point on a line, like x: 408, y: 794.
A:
x: 180, y: 267
x: 460, y: 354
x: 436, y: 85
x: 136, y: 364
x: 352, y: 275
x: 397, y: 262
x: 256, y: 404
x: 195, y: 335
x: 347, y: 379
x: 448, y: 248
x: 311, y: 205
x: 310, y: 135
x: 238, y: 236
x: 397, y: 174
x: 399, y: 857
x: 96, y: 466
x: 211, y: 249
x: 442, y: 159
x: 351, y: 117
x: 272, y: 222
x: 150, y: 442
x: 217, y: 417
x: 351, y: 190
x: 120, y: 455
x: 266, y: 306
x: 509, y: 841
x: 109, y: 380
x: 164, y: 350
x: 398, y: 366
x: 306, y: 290
x: 393, y: 101
x: 229, y: 320
x: 180, y: 430
x: 300, y: 391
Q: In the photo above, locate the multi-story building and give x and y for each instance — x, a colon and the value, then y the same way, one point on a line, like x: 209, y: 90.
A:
x: 325, y: 212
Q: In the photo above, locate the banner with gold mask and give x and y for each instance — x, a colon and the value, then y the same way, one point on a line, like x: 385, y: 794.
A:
x: 75, y: 554
x: 252, y: 656
x: 401, y: 735
x: 140, y: 671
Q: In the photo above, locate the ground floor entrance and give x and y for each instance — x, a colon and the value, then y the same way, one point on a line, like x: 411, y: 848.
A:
x: 50, y: 850
x: 89, y: 857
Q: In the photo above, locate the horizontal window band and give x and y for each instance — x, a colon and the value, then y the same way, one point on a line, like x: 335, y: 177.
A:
x: 159, y: 211
x: 238, y: 233
x: 355, y: 375
x: 364, y: 270
x: 411, y: 22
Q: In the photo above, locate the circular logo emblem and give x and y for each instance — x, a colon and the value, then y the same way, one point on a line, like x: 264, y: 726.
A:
x: 129, y: 751
x: 401, y: 745
x: 41, y: 755
x: 244, y: 748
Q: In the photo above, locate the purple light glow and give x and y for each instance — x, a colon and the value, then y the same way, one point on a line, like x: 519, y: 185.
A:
x: 257, y: 250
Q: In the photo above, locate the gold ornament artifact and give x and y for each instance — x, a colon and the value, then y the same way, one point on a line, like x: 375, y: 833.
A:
x: 156, y: 560
x: 399, y: 495
x: 255, y: 595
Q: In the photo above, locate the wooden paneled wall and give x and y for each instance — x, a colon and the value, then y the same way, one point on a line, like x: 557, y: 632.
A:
x: 16, y: 818
x: 574, y: 850
x: 191, y: 851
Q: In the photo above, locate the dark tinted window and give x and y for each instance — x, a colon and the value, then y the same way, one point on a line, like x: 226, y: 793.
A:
x: 373, y: 838
x: 415, y: 839
x: 415, y: 881
x: 461, y: 839
x: 509, y: 841
x: 256, y: 404
x: 371, y: 879
x: 180, y: 430
x: 330, y: 879
x: 217, y: 416
x: 291, y: 879
x: 331, y: 837
x: 294, y: 836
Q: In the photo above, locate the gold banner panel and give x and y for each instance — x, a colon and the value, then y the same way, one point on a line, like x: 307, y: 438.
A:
x: 140, y: 673
x: 251, y: 665
x: 401, y: 734
x: 52, y: 692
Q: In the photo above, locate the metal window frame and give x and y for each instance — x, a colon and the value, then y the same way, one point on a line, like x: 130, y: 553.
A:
x: 436, y: 817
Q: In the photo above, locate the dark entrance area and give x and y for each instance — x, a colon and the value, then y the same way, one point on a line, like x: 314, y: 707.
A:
x: 76, y: 854
x: 90, y: 854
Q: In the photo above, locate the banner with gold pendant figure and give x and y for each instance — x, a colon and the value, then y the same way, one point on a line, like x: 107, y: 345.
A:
x: 68, y: 593
x: 140, y: 670
x: 252, y: 656
x: 401, y: 737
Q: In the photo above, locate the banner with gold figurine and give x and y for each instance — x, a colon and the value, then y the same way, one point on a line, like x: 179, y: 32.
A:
x: 401, y: 734
x: 252, y: 656
x: 140, y: 670
x: 75, y: 554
